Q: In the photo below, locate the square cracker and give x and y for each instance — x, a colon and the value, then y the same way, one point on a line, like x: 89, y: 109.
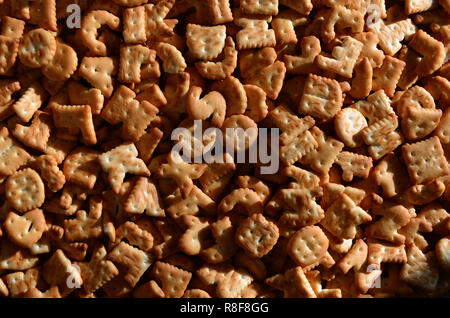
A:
x: 425, y: 160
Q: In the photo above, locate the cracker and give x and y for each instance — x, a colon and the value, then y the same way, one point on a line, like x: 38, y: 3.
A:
x: 425, y: 160
x: 31, y: 100
x: 255, y: 32
x: 50, y: 172
x: 412, y: 235
x: 421, y: 194
x: 341, y: 18
x: 394, y: 217
x: 63, y: 64
x: 16, y: 259
x: 211, y: 105
x: 81, y: 95
x: 134, y: 235
x: 408, y: 77
x: 27, y: 229
x: 234, y: 93
x: 57, y: 270
x: 390, y: 36
x: 362, y: 82
x: 322, y: 97
x: 370, y: 49
x: 144, y: 198
x: 391, y: 176
x: 194, y: 238
x: 304, y: 64
x: 19, y: 283
x: 432, y: 51
x: 12, y: 27
x: 81, y: 168
x: 322, y: 157
x: 348, y: 124
x: 148, y: 290
x: 251, y: 61
x: 75, y: 117
x: 120, y: 160
x: 174, y: 281
x: 257, y: 235
x: 155, y: 14
x: 284, y: 26
x: 384, y: 253
x: 173, y: 60
x: 343, y: 58
x: 36, y: 135
x: 269, y: 78
x: 229, y: 282
x: 132, y: 58
x: 420, y: 270
x: 247, y: 199
x: 196, y: 201
x: 37, y: 48
x: 302, y: 7
x: 9, y: 47
x: 131, y: 267
x: 442, y: 252
x: 133, y: 19
x: 25, y: 190
x: 353, y: 165
x: 222, y: 69
x: 7, y: 89
x: 293, y: 283
x: 308, y: 246
x: 99, y: 72
x: 204, y: 42
x: 439, y: 88
x: 355, y: 258
x: 343, y: 216
x: 90, y: 24
x: 225, y: 247
x: 387, y: 76
x: 135, y: 116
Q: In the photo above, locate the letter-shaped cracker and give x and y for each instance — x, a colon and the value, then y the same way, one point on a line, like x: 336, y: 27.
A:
x: 341, y: 18
x: 85, y: 225
x: 155, y: 14
x: 343, y: 59
x: 394, y: 217
x: 136, y: 116
x: 211, y: 105
x: 225, y: 247
x: 37, y: 134
x: 222, y: 69
x: 174, y: 281
x: 27, y: 229
x: 135, y: 235
x: 48, y: 166
x: 432, y: 50
x: 173, y: 60
x: 304, y: 64
x: 205, y: 42
x: 255, y: 32
x: 293, y: 283
x: 31, y: 100
x: 192, y: 242
x: 144, y: 198
x: 132, y: 57
x: 99, y: 72
x: 120, y: 160
x: 322, y: 97
x: 75, y: 117
x: 343, y: 216
x: 248, y: 199
x: 90, y: 25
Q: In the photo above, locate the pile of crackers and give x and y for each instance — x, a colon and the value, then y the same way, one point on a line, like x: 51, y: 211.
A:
x: 95, y: 204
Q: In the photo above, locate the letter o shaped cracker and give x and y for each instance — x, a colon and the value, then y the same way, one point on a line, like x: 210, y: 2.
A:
x: 25, y: 190
x: 308, y: 245
x: 37, y: 48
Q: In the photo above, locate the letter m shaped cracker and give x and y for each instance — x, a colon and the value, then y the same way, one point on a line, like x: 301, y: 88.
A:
x: 135, y: 116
